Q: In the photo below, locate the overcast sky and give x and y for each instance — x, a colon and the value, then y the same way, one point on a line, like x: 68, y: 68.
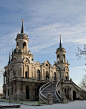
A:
x: 44, y: 21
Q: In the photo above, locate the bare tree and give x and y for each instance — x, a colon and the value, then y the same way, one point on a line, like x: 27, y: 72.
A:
x: 83, y: 83
x: 81, y: 52
x: 79, y: 55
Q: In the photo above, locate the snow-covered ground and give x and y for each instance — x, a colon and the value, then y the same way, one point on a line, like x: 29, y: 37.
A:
x: 71, y: 105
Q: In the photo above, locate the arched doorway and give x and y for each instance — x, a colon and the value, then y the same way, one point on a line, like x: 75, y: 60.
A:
x: 27, y: 92
x: 38, y: 74
x: 67, y: 92
x: 47, y: 75
x: 74, y: 95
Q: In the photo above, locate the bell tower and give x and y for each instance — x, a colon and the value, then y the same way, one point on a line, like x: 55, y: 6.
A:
x: 61, y: 62
x: 22, y: 41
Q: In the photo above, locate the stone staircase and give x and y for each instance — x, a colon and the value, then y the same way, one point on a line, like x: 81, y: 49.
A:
x: 50, y: 89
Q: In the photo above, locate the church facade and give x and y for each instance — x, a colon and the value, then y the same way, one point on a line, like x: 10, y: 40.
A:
x: 23, y: 76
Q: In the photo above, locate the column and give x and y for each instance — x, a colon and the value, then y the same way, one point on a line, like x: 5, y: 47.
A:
x: 71, y: 94
x: 42, y: 74
x: 4, y: 79
x: 21, y: 71
x: 24, y: 71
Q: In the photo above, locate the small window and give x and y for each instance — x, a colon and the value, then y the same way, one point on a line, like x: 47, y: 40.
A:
x: 46, y: 64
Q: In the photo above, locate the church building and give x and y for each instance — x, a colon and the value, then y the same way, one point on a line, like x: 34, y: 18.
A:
x: 27, y: 79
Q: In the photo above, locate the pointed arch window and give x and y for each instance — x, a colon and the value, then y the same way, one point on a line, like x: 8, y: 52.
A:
x: 26, y: 75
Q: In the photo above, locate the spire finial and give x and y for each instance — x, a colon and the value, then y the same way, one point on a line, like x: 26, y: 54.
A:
x: 18, y: 32
x: 22, y: 28
x: 60, y: 35
x: 22, y: 20
x: 60, y: 45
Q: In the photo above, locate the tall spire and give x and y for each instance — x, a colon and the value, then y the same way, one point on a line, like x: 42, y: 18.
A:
x: 22, y: 28
x: 60, y: 45
x: 12, y: 51
x: 9, y: 58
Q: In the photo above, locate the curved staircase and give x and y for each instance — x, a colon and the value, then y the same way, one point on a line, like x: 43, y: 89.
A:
x: 49, y: 88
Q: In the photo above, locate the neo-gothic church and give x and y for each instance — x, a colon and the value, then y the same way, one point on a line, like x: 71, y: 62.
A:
x: 27, y: 79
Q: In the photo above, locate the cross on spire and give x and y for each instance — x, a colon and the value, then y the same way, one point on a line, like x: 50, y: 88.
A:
x: 22, y: 28
x: 60, y: 36
x: 60, y: 45
x: 22, y: 20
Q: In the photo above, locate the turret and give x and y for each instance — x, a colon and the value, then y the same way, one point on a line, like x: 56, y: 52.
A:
x: 22, y: 41
x: 9, y: 59
x: 60, y: 52
x: 61, y: 62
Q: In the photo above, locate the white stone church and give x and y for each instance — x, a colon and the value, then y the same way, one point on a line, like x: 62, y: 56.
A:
x: 27, y: 79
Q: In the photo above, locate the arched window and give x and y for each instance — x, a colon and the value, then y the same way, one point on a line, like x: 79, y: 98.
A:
x: 26, y: 74
x: 24, y: 44
x: 63, y: 58
x: 54, y: 75
x: 66, y: 76
x: 34, y: 72
x: 38, y: 74
x: 58, y: 58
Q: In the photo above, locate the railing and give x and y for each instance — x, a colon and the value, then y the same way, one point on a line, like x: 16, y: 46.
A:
x: 78, y: 87
x: 82, y: 92
x: 56, y: 93
x: 41, y: 96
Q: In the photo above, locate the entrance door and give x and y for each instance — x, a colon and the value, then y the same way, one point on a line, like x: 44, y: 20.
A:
x: 74, y: 95
x: 27, y: 92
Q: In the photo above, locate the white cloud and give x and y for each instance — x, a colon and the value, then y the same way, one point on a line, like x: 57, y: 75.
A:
x: 81, y: 67
x: 46, y: 36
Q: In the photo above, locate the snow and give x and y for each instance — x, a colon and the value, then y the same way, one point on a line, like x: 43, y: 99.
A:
x: 71, y: 105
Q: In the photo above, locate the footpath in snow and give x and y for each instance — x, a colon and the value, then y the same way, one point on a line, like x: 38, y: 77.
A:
x: 71, y: 105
